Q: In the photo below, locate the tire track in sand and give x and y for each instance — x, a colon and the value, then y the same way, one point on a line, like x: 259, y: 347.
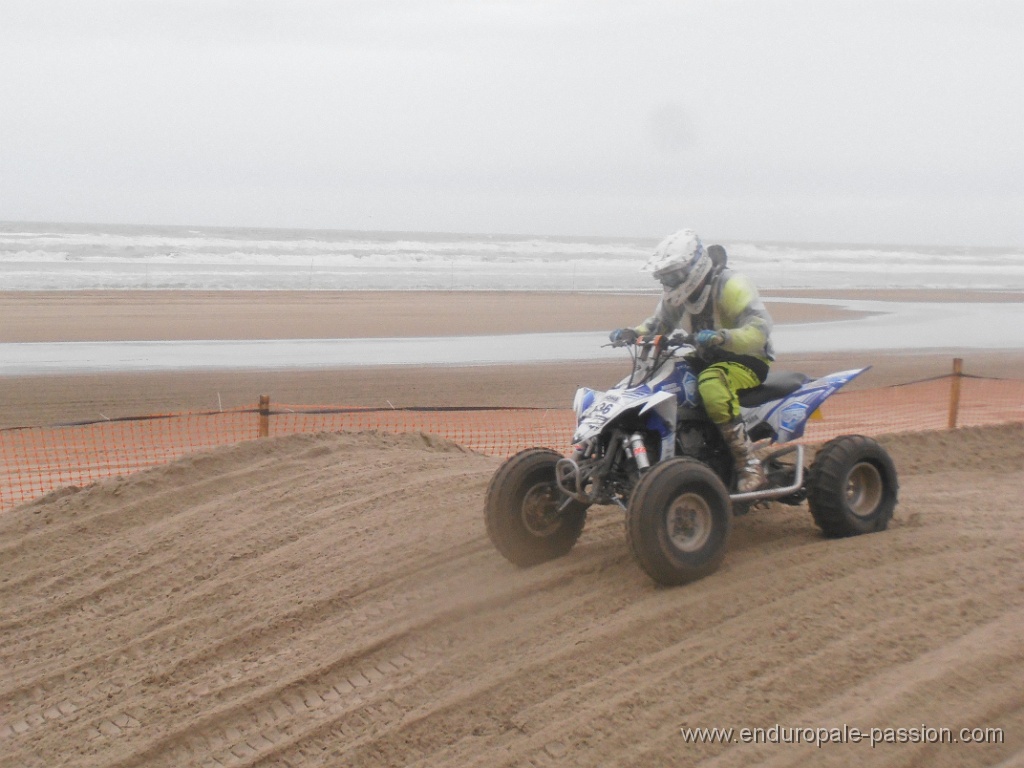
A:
x: 344, y: 618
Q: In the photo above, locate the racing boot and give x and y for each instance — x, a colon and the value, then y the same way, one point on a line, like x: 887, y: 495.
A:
x: 749, y: 472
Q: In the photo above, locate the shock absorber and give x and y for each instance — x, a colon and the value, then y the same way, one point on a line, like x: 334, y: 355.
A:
x: 637, y: 449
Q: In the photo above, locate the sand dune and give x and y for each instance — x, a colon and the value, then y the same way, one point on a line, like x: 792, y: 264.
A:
x: 333, y: 600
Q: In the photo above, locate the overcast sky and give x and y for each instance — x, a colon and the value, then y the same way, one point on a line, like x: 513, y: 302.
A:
x: 810, y: 120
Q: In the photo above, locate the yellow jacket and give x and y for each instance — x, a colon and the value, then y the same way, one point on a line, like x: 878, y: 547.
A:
x: 734, y: 306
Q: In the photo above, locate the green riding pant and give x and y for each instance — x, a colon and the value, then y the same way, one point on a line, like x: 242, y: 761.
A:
x: 718, y: 385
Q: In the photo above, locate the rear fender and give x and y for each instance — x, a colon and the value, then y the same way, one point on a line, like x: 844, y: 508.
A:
x: 788, y: 416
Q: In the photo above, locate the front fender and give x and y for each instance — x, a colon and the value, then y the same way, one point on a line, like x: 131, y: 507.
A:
x: 585, y: 397
x: 666, y: 406
x: 595, y: 410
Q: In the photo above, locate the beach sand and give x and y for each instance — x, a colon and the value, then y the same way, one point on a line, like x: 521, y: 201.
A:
x: 333, y: 600
x: 159, y: 315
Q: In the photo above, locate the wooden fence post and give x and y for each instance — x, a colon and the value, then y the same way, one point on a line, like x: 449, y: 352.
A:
x: 264, y: 411
x: 954, y: 391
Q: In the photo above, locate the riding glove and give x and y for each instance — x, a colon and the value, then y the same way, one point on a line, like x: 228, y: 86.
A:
x: 711, y: 338
x: 621, y: 336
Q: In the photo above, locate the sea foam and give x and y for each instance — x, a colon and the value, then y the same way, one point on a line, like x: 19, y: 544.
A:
x: 69, y: 257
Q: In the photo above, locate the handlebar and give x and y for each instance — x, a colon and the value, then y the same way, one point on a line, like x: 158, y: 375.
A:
x: 640, y: 351
x: 659, y: 342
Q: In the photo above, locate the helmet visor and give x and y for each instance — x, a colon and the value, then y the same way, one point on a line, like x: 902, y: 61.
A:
x: 684, y: 281
x: 673, y: 278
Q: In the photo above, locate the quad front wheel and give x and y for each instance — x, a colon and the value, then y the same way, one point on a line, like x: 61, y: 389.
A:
x: 678, y: 521
x: 852, y: 487
x: 527, y: 518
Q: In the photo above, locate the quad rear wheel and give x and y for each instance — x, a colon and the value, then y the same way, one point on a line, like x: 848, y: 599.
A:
x: 679, y: 521
x: 852, y: 487
x: 524, y: 511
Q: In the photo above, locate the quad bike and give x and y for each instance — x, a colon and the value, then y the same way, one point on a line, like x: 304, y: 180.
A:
x: 648, y: 446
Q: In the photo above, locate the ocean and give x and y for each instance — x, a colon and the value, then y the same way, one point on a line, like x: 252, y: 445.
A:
x: 47, y: 256
x: 80, y: 257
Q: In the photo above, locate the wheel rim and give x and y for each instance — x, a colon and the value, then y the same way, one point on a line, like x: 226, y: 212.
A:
x: 689, y: 522
x: 864, y: 489
x: 540, y: 510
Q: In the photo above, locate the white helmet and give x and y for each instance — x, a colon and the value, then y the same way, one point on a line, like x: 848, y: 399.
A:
x: 682, y: 265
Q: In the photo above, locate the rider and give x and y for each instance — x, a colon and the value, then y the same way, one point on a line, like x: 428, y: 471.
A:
x: 731, y: 327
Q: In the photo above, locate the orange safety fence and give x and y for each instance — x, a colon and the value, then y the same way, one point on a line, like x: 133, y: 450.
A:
x: 36, y: 460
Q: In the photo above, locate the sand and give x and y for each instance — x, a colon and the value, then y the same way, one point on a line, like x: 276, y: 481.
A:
x: 104, y: 316
x: 333, y: 600
x: 162, y: 315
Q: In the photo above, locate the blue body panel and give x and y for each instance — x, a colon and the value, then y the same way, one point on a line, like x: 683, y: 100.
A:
x: 673, y: 388
x: 788, y: 416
